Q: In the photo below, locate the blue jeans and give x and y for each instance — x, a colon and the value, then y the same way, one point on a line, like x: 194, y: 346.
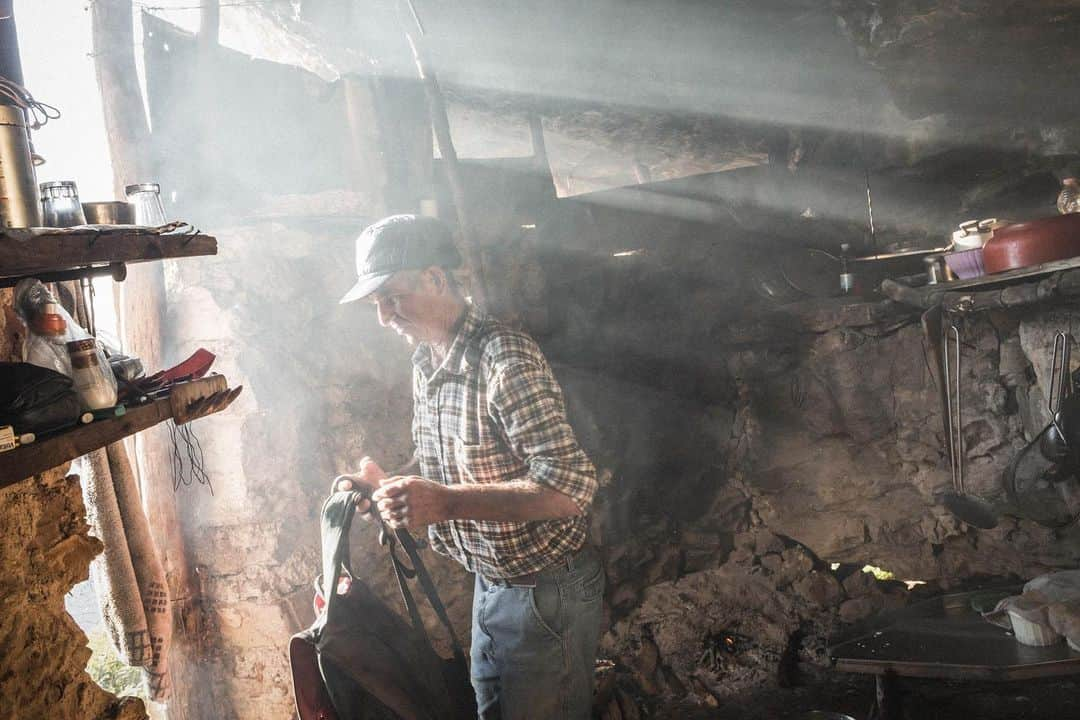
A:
x: 534, y: 648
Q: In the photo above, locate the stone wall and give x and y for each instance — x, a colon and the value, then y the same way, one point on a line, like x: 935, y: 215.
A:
x: 758, y: 454
x: 45, y: 549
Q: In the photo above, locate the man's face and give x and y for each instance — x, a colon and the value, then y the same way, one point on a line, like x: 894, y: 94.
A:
x: 408, y: 303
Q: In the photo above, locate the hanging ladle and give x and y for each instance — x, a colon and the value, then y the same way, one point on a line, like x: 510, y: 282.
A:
x: 1053, y: 443
x: 970, y: 509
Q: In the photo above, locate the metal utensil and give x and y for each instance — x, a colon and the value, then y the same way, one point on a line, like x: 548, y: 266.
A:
x: 972, y: 510
x: 109, y: 213
x: 1053, y: 444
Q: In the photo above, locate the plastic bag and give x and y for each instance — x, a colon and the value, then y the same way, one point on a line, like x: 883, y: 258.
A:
x: 49, y: 330
x: 1057, y: 587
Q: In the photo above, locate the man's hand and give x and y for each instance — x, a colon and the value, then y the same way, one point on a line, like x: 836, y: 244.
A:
x: 369, y: 476
x: 409, y: 502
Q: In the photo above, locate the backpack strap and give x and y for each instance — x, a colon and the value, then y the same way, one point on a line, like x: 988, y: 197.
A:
x: 409, y: 545
x: 337, y: 515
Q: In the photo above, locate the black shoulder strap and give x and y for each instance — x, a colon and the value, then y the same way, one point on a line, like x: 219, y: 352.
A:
x: 337, y: 515
x: 419, y: 570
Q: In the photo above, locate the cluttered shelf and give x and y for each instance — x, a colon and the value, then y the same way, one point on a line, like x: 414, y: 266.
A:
x: 187, y: 401
x: 62, y: 253
x: 1022, y: 286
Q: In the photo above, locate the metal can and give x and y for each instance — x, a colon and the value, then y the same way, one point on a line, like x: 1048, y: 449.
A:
x: 20, y: 204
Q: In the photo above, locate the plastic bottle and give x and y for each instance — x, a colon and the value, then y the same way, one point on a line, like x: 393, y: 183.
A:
x: 1069, y: 198
x: 93, y: 379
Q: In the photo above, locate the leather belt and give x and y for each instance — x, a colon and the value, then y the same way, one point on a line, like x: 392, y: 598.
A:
x: 529, y: 580
x: 526, y: 580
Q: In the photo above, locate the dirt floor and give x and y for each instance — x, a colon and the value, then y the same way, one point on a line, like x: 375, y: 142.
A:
x: 1054, y: 699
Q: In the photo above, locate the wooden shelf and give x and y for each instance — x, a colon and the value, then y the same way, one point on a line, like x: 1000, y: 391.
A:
x: 30, y: 253
x: 53, y: 451
x: 54, y: 254
x: 1006, y: 289
x: 37, y: 457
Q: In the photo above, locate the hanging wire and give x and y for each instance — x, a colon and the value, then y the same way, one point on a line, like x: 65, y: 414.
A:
x: 177, y: 459
x: 196, y: 461
x: 38, y: 113
x: 866, y: 173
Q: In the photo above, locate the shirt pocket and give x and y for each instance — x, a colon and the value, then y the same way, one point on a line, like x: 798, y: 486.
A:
x: 480, y: 462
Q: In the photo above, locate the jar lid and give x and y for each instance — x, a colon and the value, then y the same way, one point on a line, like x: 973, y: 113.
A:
x: 142, y: 187
x: 57, y: 184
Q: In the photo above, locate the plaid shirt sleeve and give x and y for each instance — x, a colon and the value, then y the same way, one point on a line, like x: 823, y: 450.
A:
x: 417, y: 412
x: 526, y: 401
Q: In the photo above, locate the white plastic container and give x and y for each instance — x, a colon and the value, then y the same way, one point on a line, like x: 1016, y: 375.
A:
x: 1031, y: 627
x: 93, y: 380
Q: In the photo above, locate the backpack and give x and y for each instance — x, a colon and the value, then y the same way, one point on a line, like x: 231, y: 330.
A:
x: 360, y: 660
x: 36, y: 399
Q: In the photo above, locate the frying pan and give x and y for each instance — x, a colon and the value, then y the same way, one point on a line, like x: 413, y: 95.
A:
x: 1033, y: 243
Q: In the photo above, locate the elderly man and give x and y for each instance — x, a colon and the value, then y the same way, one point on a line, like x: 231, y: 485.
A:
x: 504, y: 487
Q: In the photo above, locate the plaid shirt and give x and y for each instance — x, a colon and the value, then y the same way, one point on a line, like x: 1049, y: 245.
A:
x: 493, y: 412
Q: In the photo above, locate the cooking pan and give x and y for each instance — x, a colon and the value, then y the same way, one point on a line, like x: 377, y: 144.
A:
x: 1033, y: 243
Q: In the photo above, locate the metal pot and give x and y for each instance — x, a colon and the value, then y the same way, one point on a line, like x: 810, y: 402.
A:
x: 109, y: 213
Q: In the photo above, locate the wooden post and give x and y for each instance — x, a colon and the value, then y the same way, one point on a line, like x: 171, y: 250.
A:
x: 209, y: 24
x: 142, y: 312
x: 440, y: 123
x: 539, y: 146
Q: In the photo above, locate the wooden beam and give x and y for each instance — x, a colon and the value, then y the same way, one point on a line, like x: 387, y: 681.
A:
x: 25, y: 254
x: 125, y: 120
x: 209, y: 23
x: 440, y: 123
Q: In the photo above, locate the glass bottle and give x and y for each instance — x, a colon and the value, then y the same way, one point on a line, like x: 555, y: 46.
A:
x: 847, y: 278
x: 93, y: 379
x: 60, y: 206
x: 146, y: 199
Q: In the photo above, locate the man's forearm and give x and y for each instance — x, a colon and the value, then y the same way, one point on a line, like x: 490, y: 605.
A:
x: 514, y: 501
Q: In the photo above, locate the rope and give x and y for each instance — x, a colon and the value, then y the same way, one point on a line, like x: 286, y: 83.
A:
x: 38, y: 113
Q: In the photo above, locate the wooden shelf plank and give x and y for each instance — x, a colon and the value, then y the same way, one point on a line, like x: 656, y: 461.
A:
x: 24, y: 253
x: 906, y: 290
x: 196, y: 398
x: 37, y: 457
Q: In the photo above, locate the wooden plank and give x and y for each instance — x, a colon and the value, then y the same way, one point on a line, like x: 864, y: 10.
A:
x: 926, y: 296
x: 29, y: 460
x: 25, y: 254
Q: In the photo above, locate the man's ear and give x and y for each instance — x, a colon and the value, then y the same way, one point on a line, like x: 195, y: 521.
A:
x: 437, y: 280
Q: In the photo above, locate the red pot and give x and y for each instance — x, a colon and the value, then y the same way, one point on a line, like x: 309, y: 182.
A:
x: 1033, y: 243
